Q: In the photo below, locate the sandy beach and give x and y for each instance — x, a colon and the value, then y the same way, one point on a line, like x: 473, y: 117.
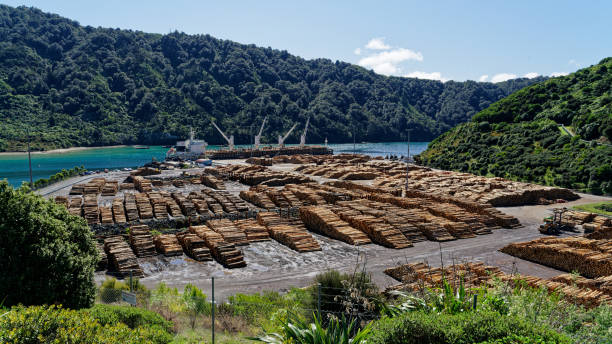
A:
x: 62, y: 150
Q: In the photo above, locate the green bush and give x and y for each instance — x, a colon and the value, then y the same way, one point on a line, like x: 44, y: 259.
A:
x: 472, y: 327
x: 133, y: 317
x: 51, y: 324
x: 48, y: 256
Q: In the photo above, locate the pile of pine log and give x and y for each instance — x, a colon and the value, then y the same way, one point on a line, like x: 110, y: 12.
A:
x: 103, y: 262
x: 131, y: 210
x: 305, y: 194
x: 590, y: 258
x: 186, y: 205
x: 173, y: 208
x: 121, y: 259
x: 212, y: 182
x: 258, y: 198
x: 225, y: 253
x: 141, y: 241
x: 75, y: 206
x: 322, y: 220
x: 118, y: 211
x: 77, y: 189
x: 194, y: 246
x: 106, y: 215
x: 159, y: 205
x: 145, y: 171
x: 377, y: 229
x: 288, y: 232
x: 94, y: 186
x: 168, y: 245
x: 110, y: 188
x: 143, y: 185
x: 91, y: 212
x: 145, y: 211
x: 229, y: 231
x: 62, y: 200
x: 253, y: 230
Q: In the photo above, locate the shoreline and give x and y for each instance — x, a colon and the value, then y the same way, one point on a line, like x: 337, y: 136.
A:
x: 64, y: 150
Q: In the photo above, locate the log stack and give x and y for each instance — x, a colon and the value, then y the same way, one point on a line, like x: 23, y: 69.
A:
x: 173, y: 208
x: 254, y: 231
x: 212, y: 182
x: 159, y: 205
x: 90, y: 209
x: 62, y: 200
x: 186, y: 205
x: 168, y: 245
x: 225, y: 253
x: 75, y: 206
x: 145, y: 210
x: 590, y: 258
x: 121, y: 259
x: 258, y: 198
x: 103, y: 262
x: 194, y: 246
x: 143, y: 185
x: 141, y: 241
x: 77, y: 189
x: 291, y: 235
x: 131, y: 209
x: 231, y: 234
x: 118, y: 211
x: 106, y: 215
x: 322, y: 220
x: 110, y: 188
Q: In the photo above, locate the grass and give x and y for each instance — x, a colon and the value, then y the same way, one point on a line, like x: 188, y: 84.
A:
x: 204, y: 335
x: 595, y: 208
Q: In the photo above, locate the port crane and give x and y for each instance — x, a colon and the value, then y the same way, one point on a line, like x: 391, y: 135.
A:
x: 303, y: 136
x: 281, y: 139
x: 230, y: 140
x: 258, y: 136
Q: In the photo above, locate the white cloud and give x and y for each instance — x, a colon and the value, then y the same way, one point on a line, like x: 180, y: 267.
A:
x: 357, y: 51
x: 483, y: 78
x: 555, y: 74
x: 377, y: 44
x: 502, y: 77
x: 425, y: 75
x: 531, y: 75
x: 573, y: 62
x: 386, y: 62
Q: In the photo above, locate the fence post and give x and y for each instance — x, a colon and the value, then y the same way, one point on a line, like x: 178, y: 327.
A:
x: 475, y: 300
x: 213, y: 310
x: 319, y: 300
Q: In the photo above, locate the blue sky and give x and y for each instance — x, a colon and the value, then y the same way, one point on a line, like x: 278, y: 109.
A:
x: 447, y: 40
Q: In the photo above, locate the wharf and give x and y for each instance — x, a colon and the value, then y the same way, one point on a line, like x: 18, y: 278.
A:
x: 270, y: 151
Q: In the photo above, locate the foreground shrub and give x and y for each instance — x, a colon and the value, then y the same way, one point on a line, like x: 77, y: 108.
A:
x: 42, y: 324
x: 133, y: 317
x: 48, y: 256
x: 473, y: 327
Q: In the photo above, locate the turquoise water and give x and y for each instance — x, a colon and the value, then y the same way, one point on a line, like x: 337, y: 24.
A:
x: 15, y: 167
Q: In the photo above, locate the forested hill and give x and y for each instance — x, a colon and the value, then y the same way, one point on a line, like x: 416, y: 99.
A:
x: 556, y: 133
x: 81, y: 86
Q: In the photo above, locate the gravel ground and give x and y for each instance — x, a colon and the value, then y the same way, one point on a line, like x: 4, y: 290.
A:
x: 272, y: 266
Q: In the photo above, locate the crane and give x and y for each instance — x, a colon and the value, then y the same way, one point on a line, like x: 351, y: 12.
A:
x: 303, y: 137
x: 281, y: 139
x: 258, y: 136
x: 230, y: 140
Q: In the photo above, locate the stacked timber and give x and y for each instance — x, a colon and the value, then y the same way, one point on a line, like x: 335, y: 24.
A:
x: 141, y: 241
x: 253, y: 230
x: 103, y: 262
x: 143, y: 185
x: 434, y: 232
x: 62, y: 200
x: 77, y: 189
x: 241, y: 205
x: 75, y: 206
x: 186, y: 205
x: 289, y: 234
x: 106, y: 215
x: 459, y: 230
x: 145, y: 171
x: 179, y: 183
x: 173, y: 208
x: 226, y: 204
x: 145, y: 210
x: 118, y: 211
x: 225, y: 253
x: 94, y: 186
x: 131, y: 209
x: 126, y: 186
x: 322, y: 220
x: 377, y: 229
x: 91, y: 212
x: 590, y: 258
x: 159, y: 205
x: 168, y: 245
x: 212, y: 182
x: 305, y: 194
x: 110, y: 188
x: 229, y: 231
x: 201, y: 206
x: 194, y: 246
x: 121, y: 259
x: 258, y: 198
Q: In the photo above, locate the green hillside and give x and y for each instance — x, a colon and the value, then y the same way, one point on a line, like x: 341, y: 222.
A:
x: 557, y: 132
x: 82, y: 86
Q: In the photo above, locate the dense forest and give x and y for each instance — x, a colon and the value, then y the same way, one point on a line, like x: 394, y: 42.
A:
x: 70, y: 85
x: 557, y: 132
